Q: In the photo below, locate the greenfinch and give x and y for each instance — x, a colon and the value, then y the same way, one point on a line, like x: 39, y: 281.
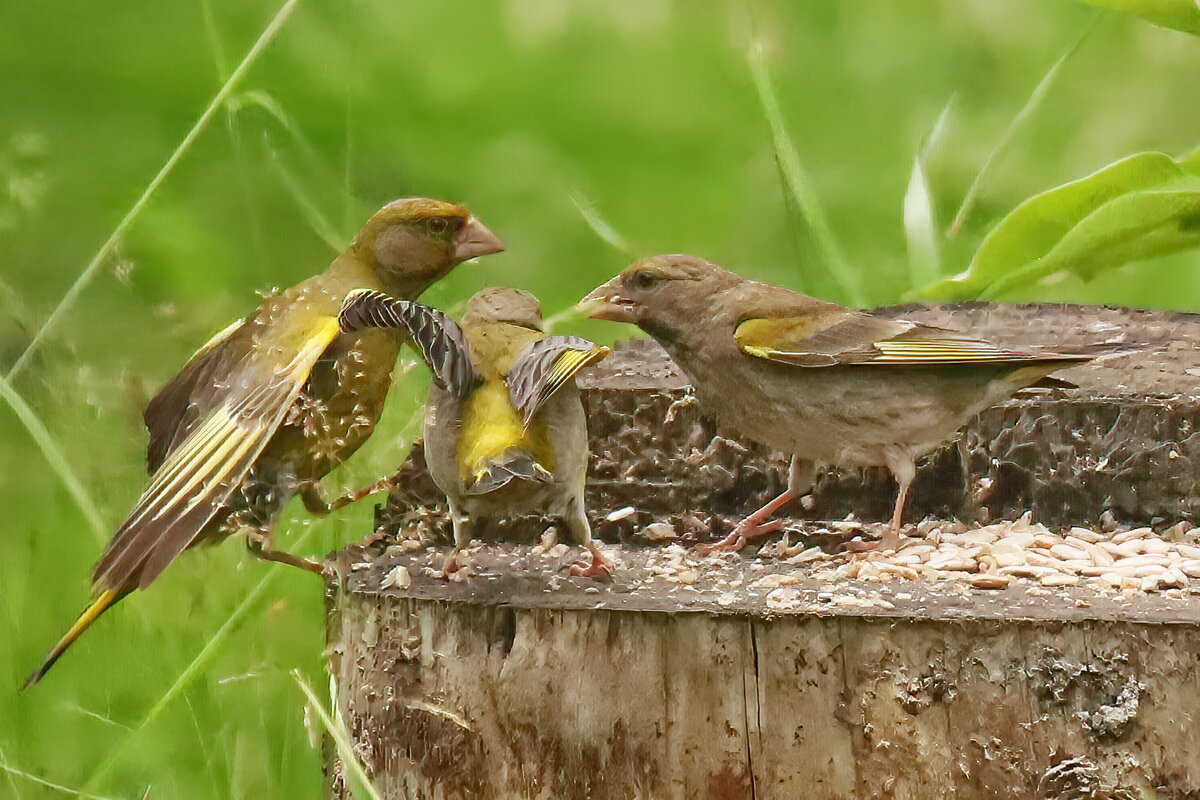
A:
x: 827, y: 384
x: 505, y: 432
x: 275, y: 401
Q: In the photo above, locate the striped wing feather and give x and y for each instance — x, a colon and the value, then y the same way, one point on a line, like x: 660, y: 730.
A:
x: 439, y: 339
x: 545, y: 367
x: 196, y: 477
x: 174, y: 412
x: 861, y: 339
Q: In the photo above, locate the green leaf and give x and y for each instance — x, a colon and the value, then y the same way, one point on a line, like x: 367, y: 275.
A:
x: 1182, y: 15
x: 1142, y: 206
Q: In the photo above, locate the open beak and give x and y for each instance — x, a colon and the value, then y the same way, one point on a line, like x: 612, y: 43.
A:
x: 606, y: 302
x: 475, y: 240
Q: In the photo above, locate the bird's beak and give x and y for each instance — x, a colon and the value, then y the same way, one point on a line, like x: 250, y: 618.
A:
x: 608, y: 303
x: 475, y: 240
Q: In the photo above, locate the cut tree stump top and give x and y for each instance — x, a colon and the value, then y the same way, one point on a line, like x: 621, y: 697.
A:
x: 516, y: 577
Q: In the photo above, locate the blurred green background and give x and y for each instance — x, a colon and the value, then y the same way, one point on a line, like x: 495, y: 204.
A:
x: 524, y: 110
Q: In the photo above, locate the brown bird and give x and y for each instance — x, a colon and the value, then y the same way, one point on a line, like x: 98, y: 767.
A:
x: 505, y: 432
x: 274, y: 402
x: 827, y: 384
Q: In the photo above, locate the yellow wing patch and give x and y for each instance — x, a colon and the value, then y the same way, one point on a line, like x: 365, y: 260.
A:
x: 565, y: 367
x: 545, y: 367
x: 766, y: 334
x: 776, y: 339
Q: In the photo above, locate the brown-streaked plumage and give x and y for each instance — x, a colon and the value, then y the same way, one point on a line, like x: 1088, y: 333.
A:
x: 270, y: 405
x: 824, y: 383
x: 505, y: 432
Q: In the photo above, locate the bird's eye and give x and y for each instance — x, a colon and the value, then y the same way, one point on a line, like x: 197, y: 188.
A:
x: 643, y: 279
x: 440, y: 226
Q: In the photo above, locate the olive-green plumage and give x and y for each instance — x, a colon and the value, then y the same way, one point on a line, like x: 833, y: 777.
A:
x: 824, y: 383
x: 505, y: 432
x: 274, y: 402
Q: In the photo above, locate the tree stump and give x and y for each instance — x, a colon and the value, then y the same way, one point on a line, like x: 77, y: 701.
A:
x: 994, y: 663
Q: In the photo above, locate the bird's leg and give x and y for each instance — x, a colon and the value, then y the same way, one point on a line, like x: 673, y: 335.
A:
x: 891, y: 536
x: 600, y: 567
x: 462, y: 537
x: 801, y: 475
x: 905, y: 470
x: 315, y: 502
x: 258, y: 542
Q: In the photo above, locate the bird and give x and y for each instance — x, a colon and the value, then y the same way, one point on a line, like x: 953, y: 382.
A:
x: 827, y: 384
x: 272, y: 403
x: 505, y: 431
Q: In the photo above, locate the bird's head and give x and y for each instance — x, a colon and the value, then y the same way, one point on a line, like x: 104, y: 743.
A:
x: 414, y: 241
x: 662, y: 294
x: 503, y: 304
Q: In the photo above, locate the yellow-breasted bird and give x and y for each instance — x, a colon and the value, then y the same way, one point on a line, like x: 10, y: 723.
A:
x: 274, y: 402
x: 505, y: 431
x: 826, y: 384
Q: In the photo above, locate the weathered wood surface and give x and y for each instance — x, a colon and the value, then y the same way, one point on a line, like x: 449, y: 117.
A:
x: 523, y: 682
x: 755, y: 679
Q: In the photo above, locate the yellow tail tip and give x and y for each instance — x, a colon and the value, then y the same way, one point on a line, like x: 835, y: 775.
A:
x: 90, y: 615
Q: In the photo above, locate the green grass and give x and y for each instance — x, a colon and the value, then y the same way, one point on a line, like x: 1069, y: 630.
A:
x: 583, y: 133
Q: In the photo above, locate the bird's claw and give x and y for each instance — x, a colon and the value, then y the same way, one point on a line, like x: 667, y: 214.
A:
x: 600, y: 569
x: 746, y: 530
x: 889, y: 543
x: 449, y: 567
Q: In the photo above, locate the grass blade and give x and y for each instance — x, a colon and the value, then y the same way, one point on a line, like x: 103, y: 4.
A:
x: 920, y: 228
x: 55, y: 458
x: 341, y: 738
x: 106, y: 249
x: 189, y: 673
x: 1031, y: 105
x: 795, y: 181
x: 316, y: 219
x: 5, y: 768
x: 920, y: 219
x: 601, y: 227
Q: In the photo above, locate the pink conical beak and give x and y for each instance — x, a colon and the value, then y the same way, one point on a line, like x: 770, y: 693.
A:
x: 475, y: 240
x: 607, y: 302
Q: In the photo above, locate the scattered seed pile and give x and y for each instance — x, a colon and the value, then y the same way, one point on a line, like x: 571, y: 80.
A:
x: 990, y: 557
x: 806, y: 570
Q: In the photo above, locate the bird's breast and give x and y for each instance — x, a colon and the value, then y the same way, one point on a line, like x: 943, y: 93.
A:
x: 339, y: 405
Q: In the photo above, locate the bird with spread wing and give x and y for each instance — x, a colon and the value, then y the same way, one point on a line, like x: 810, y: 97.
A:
x: 826, y: 384
x: 505, y: 431
x: 273, y: 403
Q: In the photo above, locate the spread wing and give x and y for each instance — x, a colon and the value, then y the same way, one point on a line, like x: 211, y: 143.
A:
x: 855, y: 338
x: 173, y: 412
x: 263, y: 366
x: 439, y: 339
x: 545, y: 367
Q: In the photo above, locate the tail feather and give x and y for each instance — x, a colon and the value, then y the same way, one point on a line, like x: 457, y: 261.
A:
x: 1037, y: 371
x: 102, y: 603
x: 511, y: 466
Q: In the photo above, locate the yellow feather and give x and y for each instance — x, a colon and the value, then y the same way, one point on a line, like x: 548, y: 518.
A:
x: 490, y: 426
x: 212, y: 450
x: 763, y: 335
